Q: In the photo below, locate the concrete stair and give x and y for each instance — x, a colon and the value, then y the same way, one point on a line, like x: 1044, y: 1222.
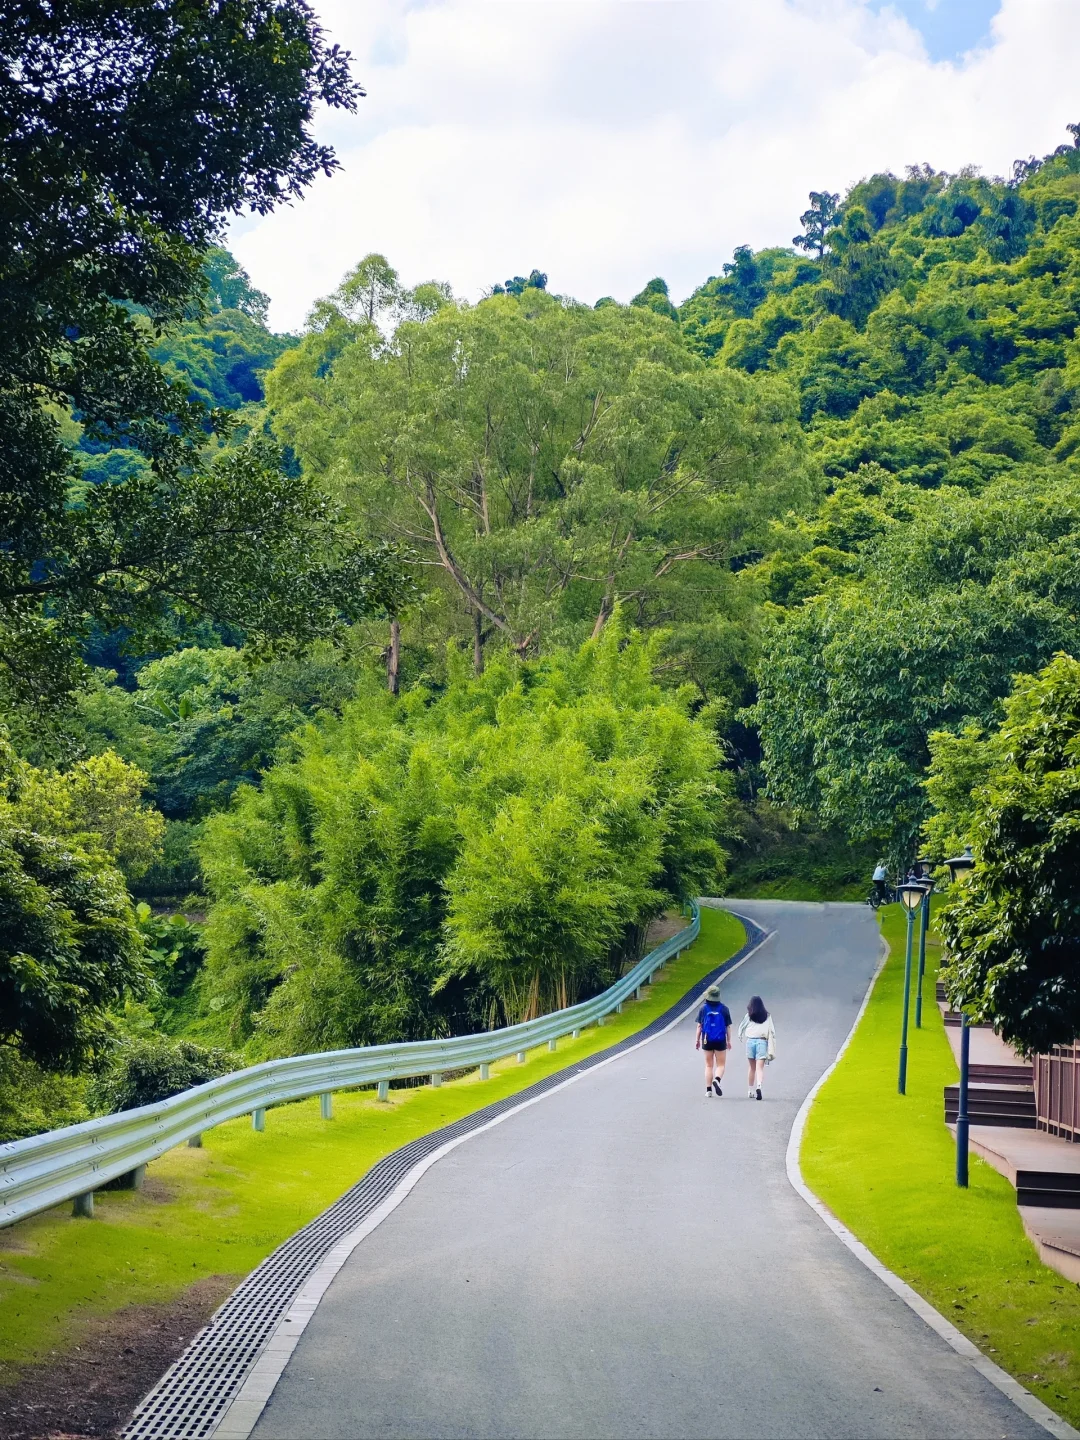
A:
x: 993, y: 1104
x: 1048, y: 1189
x: 1044, y: 1171
x: 1003, y: 1074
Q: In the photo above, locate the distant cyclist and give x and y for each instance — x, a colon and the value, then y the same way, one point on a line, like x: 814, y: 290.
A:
x: 714, y: 1037
x: 881, y: 883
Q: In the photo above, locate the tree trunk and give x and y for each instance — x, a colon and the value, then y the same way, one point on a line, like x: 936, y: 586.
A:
x: 393, y: 657
x: 478, y: 643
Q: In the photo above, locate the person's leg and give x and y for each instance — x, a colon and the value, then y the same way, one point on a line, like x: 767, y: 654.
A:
x: 721, y: 1063
x: 760, y: 1067
x: 749, y: 1069
x: 709, y: 1060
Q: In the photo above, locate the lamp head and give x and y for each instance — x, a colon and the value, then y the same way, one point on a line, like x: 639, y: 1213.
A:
x: 961, y: 866
x: 912, y: 894
x: 923, y: 867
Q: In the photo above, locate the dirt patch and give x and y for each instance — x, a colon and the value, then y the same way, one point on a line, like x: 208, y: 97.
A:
x: 93, y: 1388
x: 662, y: 928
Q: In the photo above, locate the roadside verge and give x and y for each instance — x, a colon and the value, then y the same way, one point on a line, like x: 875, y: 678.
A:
x: 878, y: 1167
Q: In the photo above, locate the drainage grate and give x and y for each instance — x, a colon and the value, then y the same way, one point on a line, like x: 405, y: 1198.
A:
x: 189, y: 1400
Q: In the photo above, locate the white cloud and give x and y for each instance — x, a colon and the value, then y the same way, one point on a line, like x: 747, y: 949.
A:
x: 607, y: 141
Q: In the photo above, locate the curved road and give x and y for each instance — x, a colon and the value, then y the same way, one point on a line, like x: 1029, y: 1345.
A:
x: 627, y: 1258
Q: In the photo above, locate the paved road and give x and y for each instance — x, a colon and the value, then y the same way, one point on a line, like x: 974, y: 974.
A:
x: 627, y: 1258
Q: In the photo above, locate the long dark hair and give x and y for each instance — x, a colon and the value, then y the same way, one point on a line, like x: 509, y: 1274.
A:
x: 756, y: 1010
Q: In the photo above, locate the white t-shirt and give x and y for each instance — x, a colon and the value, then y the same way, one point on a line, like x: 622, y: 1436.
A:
x: 757, y: 1030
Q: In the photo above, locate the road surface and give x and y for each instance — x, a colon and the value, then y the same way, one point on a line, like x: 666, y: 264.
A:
x: 627, y: 1258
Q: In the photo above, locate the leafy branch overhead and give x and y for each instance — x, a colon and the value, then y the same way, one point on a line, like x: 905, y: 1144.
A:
x: 117, y: 175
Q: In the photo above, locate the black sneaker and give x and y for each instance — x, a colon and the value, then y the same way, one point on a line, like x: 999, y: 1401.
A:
x: 716, y: 1086
x: 708, y: 1091
x: 758, y: 1095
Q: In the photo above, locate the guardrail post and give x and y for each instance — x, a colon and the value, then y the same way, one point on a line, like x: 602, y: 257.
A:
x: 553, y: 1044
x: 326, y: 1105
x: 601, y: 1020
x: 436, y: 1078
x: 195, y: 1142
x: 258, y: 1119
x: 521, y: 1057
x: 576, y: 1034
x: 485, y: 1070
x: 82, y: 1206
x: 618, y: 1008
x: 383, y: 1092
x: 637, y: 993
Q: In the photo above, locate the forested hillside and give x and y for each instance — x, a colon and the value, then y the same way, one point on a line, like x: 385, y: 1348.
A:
x: 599, y: 604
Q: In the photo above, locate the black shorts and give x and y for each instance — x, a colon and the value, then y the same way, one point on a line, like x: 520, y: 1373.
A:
x: 713, y: 1045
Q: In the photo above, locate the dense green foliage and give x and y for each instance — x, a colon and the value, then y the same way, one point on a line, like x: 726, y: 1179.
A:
x: 116, y: 176
x: 935, y: 354
x: 1013, y: 928
x: 545, y: 461
x: 141, y: 1071
x: 443, y: 861
x: 69, y: 946
x: 690, y: 589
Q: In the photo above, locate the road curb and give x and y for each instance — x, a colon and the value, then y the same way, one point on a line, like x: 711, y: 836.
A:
x: 1011, y: 1388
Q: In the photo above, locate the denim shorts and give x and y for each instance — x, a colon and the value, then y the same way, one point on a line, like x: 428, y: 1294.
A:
x: 757, y: 1049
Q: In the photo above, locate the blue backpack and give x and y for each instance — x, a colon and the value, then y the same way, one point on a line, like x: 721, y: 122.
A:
x: 713, y: 1025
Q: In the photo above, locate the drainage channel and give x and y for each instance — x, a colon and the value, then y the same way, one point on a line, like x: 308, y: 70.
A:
x: 192, y: 1396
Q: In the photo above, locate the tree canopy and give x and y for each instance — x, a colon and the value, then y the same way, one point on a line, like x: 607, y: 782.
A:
x: 1013, y: 928
x: 118, y: 174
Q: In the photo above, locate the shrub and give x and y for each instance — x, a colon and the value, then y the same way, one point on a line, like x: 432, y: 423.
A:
x: 142, y: 1071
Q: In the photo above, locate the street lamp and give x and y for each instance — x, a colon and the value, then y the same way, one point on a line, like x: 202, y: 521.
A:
x: 923, y: 867
x: 911, y: 896
x: 960, y: 867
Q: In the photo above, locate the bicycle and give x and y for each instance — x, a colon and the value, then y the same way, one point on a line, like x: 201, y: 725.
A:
x: 881, y: 893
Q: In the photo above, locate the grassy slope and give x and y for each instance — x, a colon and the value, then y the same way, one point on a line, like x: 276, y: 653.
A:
x: 794, y: 887
x: 885, y: 1164
x: 221, y: 1209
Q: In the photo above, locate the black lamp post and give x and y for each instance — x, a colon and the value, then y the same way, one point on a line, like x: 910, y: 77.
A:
x: 911, y: 896
x: 960, y: 867
x: 923, y: 867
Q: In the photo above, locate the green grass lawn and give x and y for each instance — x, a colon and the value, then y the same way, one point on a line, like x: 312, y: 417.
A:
x: 221, y: 1209
x: 885, y: 1165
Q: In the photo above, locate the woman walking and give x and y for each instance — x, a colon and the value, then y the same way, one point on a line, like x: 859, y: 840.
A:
x: 756, y: 1028
x: 714, y: 1036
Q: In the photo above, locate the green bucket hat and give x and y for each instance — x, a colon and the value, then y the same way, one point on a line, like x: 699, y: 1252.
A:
x: 713, y: 992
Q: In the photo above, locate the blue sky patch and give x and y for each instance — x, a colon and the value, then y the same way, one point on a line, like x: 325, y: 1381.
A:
x: 949, y: 27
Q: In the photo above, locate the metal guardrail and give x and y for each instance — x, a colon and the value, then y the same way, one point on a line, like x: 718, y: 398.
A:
x: 45, y: 1170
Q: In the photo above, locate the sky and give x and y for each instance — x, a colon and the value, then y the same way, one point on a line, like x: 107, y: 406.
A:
x: 608, y: 141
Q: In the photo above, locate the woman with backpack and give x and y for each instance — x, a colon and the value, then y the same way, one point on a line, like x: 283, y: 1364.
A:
x: 756, y: 1028
x: 713, y: 1032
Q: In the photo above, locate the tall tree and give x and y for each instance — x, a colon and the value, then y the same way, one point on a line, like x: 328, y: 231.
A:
x: 1014, y: 929
x: 127, y: 133
x: 817, y: 222
x: 549, y: 461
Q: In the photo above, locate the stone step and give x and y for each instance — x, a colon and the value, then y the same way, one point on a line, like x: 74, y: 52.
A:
x: 952, y: 1017
x: 993, y: 1105
x: 999, y: 1074
x: 1052, y: 1189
